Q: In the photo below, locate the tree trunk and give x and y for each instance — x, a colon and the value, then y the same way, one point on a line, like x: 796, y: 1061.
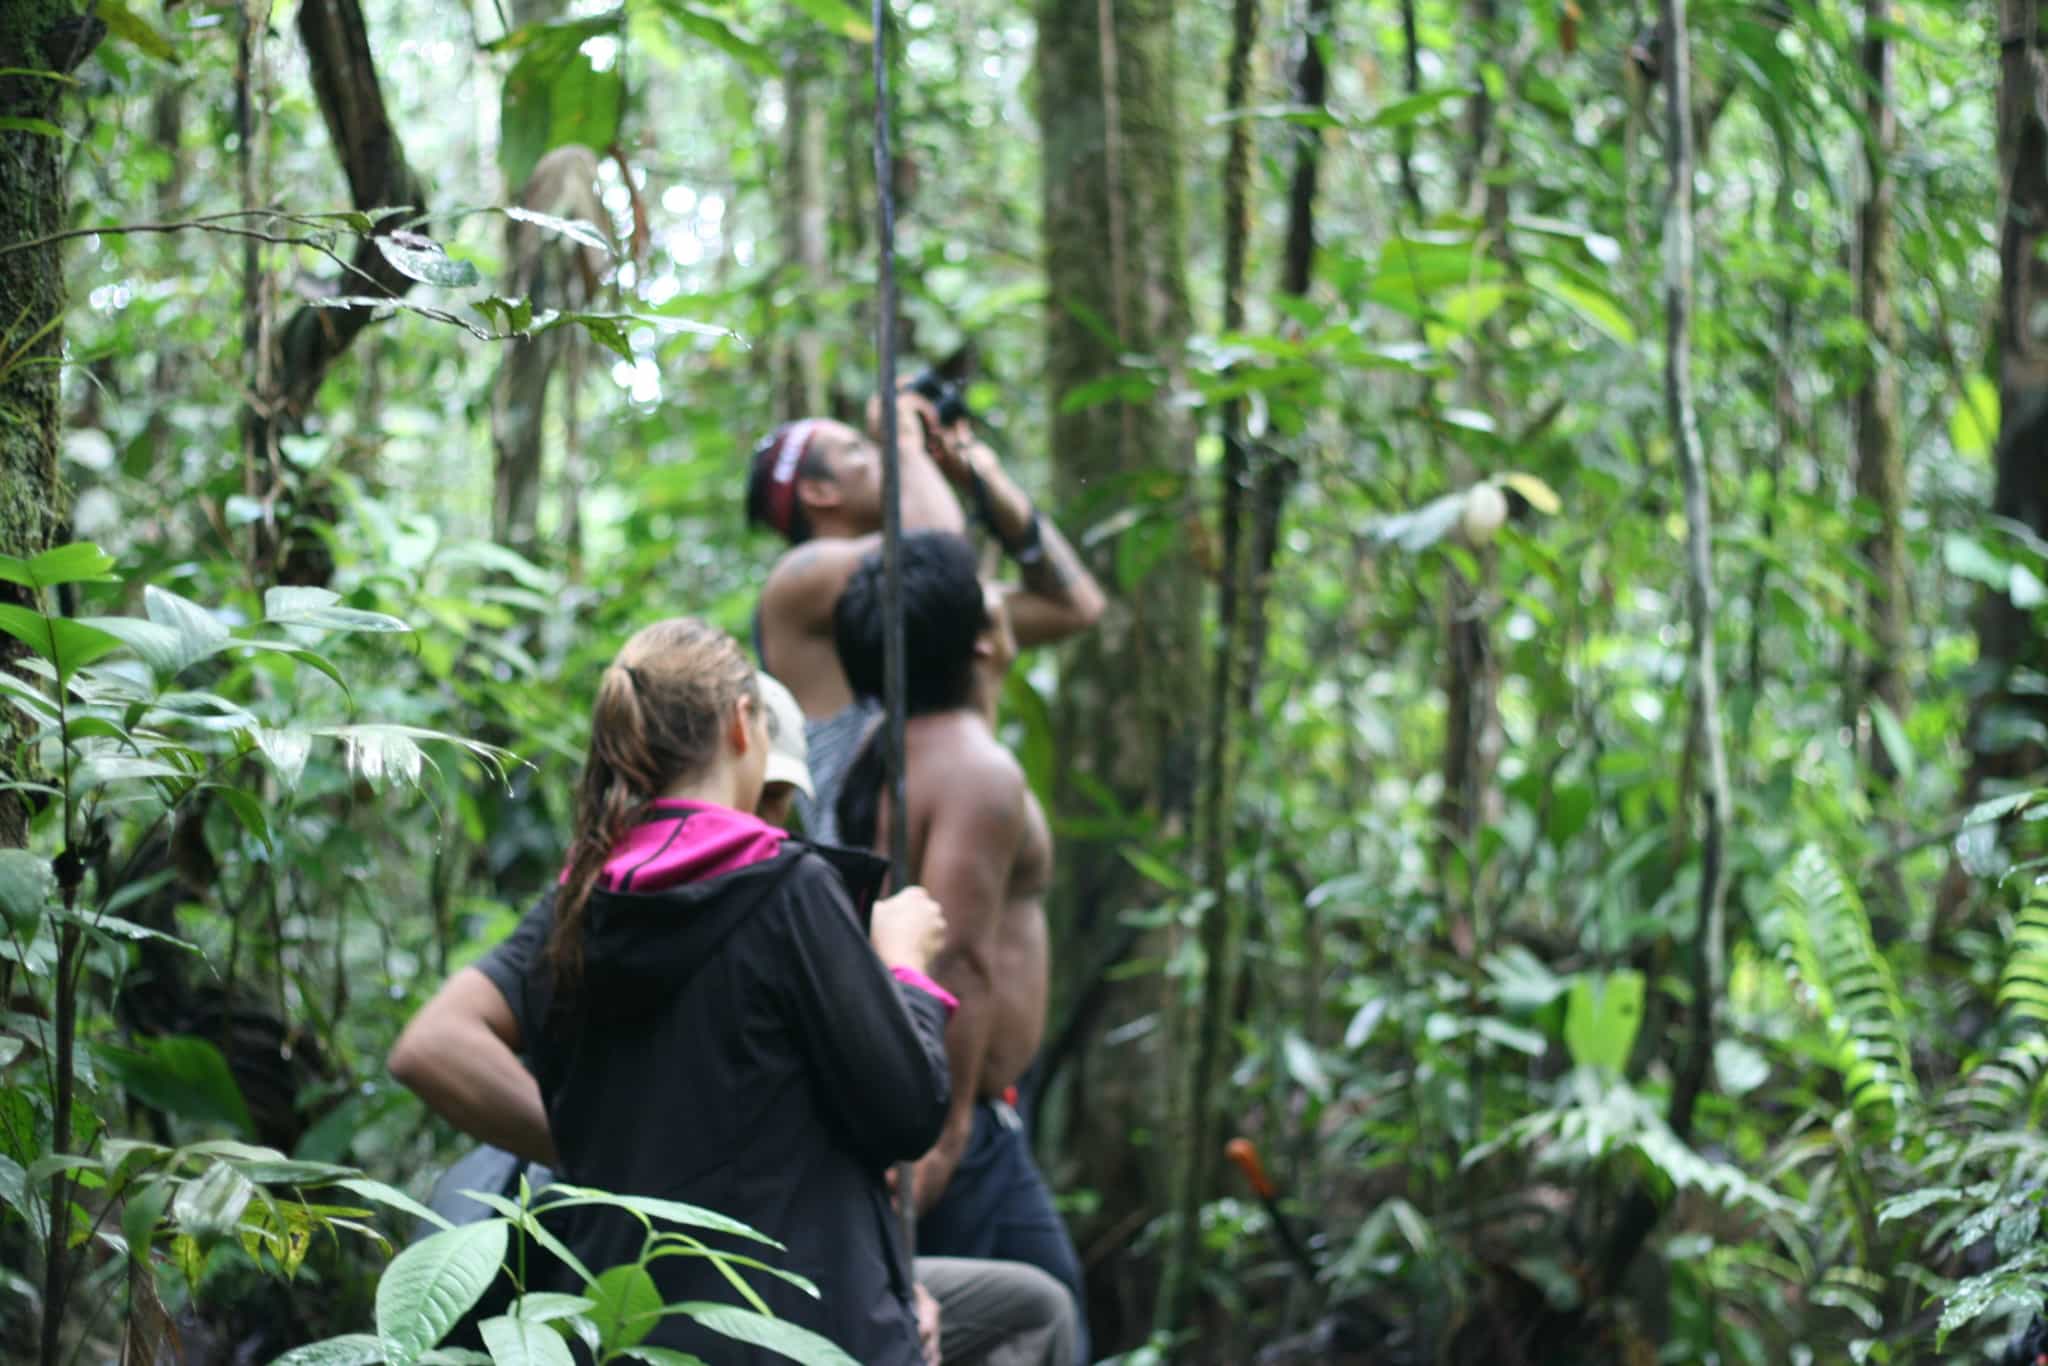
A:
x: 1116, y: 285
x: 344, y: 77
x: 297, y: 356
x: 1641, y: 1210
x: 1880, y: 466
x: 35, y: 36
x: 2006, y: 740
x: 549, y: 272
x: 1471, y: 671
x: 1194, y: 1169
x: 805, y: 212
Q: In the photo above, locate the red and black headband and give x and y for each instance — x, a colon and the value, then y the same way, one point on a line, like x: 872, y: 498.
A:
x: 784, y: 453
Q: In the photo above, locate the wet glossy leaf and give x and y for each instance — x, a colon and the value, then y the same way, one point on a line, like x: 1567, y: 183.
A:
x: 433, y: 1283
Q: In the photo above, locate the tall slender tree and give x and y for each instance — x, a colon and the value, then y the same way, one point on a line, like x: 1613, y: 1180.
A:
x: 804, y: 220
x: 2007, y: 717
x: 1880, y: 466
x: 41, y: 43
x: 1116, y: 288
x: 1640, y: 1211
x: 1218, y: 932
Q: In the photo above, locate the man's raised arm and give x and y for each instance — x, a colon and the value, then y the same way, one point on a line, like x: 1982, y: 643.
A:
x: 929, y: 503
x: 969, y: 848
x: 1058, y: 596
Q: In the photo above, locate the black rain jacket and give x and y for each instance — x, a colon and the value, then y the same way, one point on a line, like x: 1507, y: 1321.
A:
x: 734, y: 1043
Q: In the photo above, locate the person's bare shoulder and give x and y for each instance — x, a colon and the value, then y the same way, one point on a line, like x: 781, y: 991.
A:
x: 806, y: 581
x: 972, y: 766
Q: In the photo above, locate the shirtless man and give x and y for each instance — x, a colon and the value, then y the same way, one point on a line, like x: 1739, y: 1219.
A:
x: 818, y: 484
x: 979, y: 843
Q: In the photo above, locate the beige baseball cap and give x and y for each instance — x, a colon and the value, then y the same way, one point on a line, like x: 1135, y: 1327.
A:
x: 788, y: 755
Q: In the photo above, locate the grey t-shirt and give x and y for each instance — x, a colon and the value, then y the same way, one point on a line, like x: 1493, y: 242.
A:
x: 832, y: 744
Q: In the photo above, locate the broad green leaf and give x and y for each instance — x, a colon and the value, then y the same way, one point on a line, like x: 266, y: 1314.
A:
x: 1413, y: 108
x: 1300, y: 115
x: 777, y: 1335
x: 208, y: 1209
x: 1304, y: 1065
x: 1967, y: 559
x: 350, y: 1349
x: 1594, y: 306
x: 320, y: 607
x: 1522, y: 982
x: 433, y: 1283
x: 626, y: 1306
x: 1892, y: 736
x: 181, y: 1075
x: 662, y: 1356
x: 1738, y: 1068
x: 421, y: 258
x: 114, y: 927
x: 102, y: 769
x: 287, y: 751
x: 130, y: 27
x: 378, y: 1193
x: 544, y: 1306
x: 267, y: 1164
x: 199, y: 633
x: 2026, y: 589
x: 562, y: 1195
x: 714, y: 28
x: 248, y: 811
x: 527, y: 1222
x: 143, y: 1213
x: 298, y: 654
x: 30, y: 1203
x: 554, y: 95
x: 575, y: 229
x: 2018, y: 1283
x: 1973, y: 424
x: 837, y: 16
x: 78, y: 562
x: 1601, y: 1018
x: 68, y: 645
x: 1907, y: 1205
x: 1157, y: 870
x: 523, y: 1342
x: 28, y: 886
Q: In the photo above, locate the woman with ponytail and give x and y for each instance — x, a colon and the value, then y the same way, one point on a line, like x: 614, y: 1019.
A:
x: 710, y: 1023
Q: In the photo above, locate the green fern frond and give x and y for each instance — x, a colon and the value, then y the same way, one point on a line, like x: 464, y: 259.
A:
x: 2008, y: 1088
x: 1823, y: 934
x: 2023, y: 982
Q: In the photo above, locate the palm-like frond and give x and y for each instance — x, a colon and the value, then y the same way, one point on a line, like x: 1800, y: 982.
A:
x: 1823, y: 934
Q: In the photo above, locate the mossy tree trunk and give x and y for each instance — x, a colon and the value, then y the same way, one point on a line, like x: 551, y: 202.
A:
x: 36, y: 36
x: 1127, y: 723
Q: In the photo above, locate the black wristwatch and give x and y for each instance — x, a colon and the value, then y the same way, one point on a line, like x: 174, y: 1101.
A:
x: 1029, y: 548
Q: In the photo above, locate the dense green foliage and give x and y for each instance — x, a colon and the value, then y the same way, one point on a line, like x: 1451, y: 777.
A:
x: 1457, y: 993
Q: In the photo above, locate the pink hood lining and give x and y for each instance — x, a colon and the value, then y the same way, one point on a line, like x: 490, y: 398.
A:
x: 686, y: 841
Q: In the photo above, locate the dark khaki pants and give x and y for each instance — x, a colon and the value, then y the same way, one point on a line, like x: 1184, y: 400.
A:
x: 999, y: 1313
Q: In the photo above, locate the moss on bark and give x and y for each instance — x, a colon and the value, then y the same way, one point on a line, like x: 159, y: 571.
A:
x: 35, y: 36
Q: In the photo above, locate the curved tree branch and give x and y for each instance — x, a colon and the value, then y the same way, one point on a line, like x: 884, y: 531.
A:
x: 352, y: 104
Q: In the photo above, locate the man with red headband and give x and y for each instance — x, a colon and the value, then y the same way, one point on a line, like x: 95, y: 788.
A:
x: 818, y: 484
